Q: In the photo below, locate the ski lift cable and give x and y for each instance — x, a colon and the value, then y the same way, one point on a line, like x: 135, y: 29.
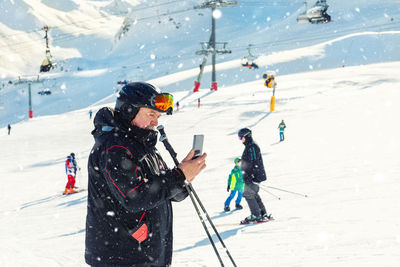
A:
x: 313, y: 38
x: 95, y: 28
x: 158, y: 5
x: 81, y: 22
x: 60, y: 37
x: 26, y: 45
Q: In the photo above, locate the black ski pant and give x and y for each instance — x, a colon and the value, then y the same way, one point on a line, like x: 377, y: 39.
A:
x: 253, y: 199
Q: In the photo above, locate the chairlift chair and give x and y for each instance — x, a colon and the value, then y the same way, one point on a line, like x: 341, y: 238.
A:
x: 46, y: 66
x: 315, y: 15
x: 248, y: 61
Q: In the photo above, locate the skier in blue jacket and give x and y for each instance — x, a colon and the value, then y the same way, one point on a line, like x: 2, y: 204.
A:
x: 281, y: 128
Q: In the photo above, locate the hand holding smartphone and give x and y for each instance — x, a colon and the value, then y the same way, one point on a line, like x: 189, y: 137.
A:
x: 198, y: 140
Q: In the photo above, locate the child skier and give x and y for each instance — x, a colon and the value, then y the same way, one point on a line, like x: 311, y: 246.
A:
x: 281, y: 128
x: 70, y: 168
x: 235, y: 183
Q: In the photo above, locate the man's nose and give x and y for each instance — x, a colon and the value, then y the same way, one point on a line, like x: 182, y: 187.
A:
x: 154, y: 122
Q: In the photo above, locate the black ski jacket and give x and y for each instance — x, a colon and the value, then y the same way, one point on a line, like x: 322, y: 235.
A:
x: 252, y: 163
x: 129, y: 186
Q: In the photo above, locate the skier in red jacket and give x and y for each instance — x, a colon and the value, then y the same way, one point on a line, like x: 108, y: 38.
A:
x: 70, y: 171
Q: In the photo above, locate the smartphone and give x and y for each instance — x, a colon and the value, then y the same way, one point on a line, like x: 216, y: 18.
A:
x: 198, y: 145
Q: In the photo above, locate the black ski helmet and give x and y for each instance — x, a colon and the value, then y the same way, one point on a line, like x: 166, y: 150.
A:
x: 72, y: 155
x: 134, y: 96
x: 244, y: 132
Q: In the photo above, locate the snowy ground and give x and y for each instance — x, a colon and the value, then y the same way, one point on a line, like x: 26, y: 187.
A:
x: 341, y: 149
x: 91, y: 59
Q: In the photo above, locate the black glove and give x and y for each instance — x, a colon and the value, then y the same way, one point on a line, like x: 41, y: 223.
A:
x: 227, y: 189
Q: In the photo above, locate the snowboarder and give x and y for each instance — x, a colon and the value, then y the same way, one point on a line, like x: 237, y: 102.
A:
x: 9, y: 129
x: 70, y: 169
x: 235, y: 184
x: 253, y: 174
x: 281, y: 128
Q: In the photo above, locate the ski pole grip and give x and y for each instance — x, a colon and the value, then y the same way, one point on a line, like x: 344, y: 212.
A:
x: 160, y: 128
x: 163, y: 136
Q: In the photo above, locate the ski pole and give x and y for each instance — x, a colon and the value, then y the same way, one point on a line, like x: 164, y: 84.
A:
x: 212, y: 225
x: 191, y: 191
x: 262, y: 188
x: 303, y: 195
x: 164, y: 139
x: 204, y: 225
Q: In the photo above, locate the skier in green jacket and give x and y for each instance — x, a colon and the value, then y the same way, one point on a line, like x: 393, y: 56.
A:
x: 235, y: 183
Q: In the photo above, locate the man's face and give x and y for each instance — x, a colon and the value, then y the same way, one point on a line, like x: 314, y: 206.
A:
x: 146, y: 118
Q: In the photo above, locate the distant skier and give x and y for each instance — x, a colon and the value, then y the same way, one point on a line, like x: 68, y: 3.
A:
x: 281, y: 128
x: 90, y: 114
x: 70, y: 170
x: 253, y: 174
x: 235, y: 184
x: 9, y: 129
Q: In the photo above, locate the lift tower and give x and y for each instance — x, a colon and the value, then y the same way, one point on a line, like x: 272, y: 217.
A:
x: 211, y: 46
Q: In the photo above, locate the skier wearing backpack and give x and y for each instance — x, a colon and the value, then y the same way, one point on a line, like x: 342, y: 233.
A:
x: 235, y: 184
x: 69, y: 170
x: 253, y: 174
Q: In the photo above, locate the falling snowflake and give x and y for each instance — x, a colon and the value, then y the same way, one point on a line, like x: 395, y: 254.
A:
x: 110, y: 213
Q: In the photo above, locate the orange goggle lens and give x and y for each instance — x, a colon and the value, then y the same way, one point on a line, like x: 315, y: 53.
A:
x: 164, y: 102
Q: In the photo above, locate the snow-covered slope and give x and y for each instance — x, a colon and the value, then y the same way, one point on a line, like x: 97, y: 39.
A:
x: 84, y: 40
x: 341, y: 150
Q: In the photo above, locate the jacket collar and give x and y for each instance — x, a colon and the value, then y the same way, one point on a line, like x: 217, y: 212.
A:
x: 105, y: 123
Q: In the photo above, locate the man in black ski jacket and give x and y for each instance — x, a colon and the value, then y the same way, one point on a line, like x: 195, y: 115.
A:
x: 253, y: 174
x: 129, y: 211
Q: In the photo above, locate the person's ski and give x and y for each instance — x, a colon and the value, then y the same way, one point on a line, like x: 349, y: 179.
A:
x: 76, y: 191
x: 229, y: 211
x: 265, y: 219
x: 244, y: 222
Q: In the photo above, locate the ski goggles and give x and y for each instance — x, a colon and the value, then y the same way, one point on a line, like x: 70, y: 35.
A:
x: 164, y: 102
